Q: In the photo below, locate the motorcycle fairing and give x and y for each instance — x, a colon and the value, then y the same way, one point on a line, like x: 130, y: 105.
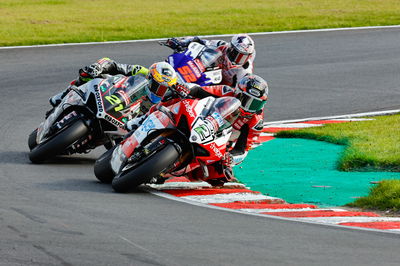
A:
x: 183, y: 114
x: 156, y: 120
x: 196, y: 65
x: 72, y: 98
x: 116, y: 97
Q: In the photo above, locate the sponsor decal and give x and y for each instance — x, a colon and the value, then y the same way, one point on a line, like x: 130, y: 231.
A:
x: 189, y: 109
x: 147, y: 125
x: 195, y: 69
x: 216, y: 150
x: 255, y: 92
x: 120, y: 83
x: 65, y: 119
x: 113, y: 121
x: 218, y: 118
x: 98, y: 99
x: 199, y: 64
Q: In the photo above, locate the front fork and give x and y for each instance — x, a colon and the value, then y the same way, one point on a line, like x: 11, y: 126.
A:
x: 120, y: 159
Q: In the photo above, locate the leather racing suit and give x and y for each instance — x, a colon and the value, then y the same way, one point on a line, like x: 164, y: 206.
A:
x: 246, y: 129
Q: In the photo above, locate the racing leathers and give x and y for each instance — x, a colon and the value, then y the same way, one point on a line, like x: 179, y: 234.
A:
x: 231, y: 72
x: 104, y: 66
x: 246, y: 129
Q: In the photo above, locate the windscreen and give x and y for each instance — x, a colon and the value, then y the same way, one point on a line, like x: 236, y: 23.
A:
x: 225, y: 106
x: 209, y: 56
x: 120, y: 92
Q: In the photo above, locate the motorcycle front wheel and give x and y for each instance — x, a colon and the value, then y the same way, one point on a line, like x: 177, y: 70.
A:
x: 32, y: 140
x: 152, y: 166
x: 102, y: 167
x: 59, y: 142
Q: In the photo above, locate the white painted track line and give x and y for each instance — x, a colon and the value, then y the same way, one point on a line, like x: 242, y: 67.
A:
x: 209, y: 36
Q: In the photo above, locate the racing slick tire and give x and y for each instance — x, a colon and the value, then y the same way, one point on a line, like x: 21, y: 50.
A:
x: 59, y: 142
x: 32, y: 140
x: 153, y: 165
x: 102, y: 167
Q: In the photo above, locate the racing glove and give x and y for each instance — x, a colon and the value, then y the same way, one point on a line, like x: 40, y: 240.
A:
x: 182, y: 90
x: 228, y: 160
x: 90, y: 72
x: 175, y: 44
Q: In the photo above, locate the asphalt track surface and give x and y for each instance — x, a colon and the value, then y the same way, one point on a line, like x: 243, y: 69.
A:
x: 58, y: 214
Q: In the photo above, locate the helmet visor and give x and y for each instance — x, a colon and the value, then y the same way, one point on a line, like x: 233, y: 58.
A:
x: 250, y: 103
x: 236, y: 57
x: 152, y: 97
x: 156, y: 88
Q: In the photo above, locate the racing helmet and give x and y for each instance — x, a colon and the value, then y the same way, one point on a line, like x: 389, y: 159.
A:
x: 252, y: 91
x: 161, y: 76
x: 241, y: 48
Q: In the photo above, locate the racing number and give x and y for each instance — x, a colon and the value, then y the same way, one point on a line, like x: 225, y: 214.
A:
x: 113, y: 99
x: 187, y: 74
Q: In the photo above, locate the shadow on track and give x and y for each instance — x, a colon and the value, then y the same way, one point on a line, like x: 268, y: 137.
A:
x: 17, y: 157
x: 84, y: 185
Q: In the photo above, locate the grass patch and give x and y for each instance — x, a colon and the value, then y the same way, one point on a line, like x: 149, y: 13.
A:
x: 27, y: 22
x: 384, y: 196
x: 370, y: 145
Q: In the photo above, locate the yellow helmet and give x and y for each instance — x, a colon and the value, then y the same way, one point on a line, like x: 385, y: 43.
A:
x: 161, y: 77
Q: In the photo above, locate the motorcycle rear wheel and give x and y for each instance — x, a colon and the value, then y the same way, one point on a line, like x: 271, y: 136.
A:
x: 59, y: 142
x: 102, y: 167
x: 153, y: 165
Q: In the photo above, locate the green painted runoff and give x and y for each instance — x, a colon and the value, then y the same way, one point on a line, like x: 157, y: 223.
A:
x: 304, y: 171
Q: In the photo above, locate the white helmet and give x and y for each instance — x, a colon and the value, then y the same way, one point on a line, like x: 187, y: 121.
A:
x: 241, y: 49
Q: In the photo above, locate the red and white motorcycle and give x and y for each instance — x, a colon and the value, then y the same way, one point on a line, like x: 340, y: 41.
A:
x: 171, y: 141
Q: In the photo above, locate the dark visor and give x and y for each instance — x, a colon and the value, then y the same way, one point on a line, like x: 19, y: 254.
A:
x: 236, y: 57
x: 250, y: 103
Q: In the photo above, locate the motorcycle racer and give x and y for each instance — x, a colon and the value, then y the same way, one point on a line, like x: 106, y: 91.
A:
x: 247, y: 123
x: 110, y: 67
x: 161, y: 76
x: 236, y: 59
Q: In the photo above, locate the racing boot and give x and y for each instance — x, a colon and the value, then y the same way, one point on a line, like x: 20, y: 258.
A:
x: 158, y: 180
x: 56, y: 99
